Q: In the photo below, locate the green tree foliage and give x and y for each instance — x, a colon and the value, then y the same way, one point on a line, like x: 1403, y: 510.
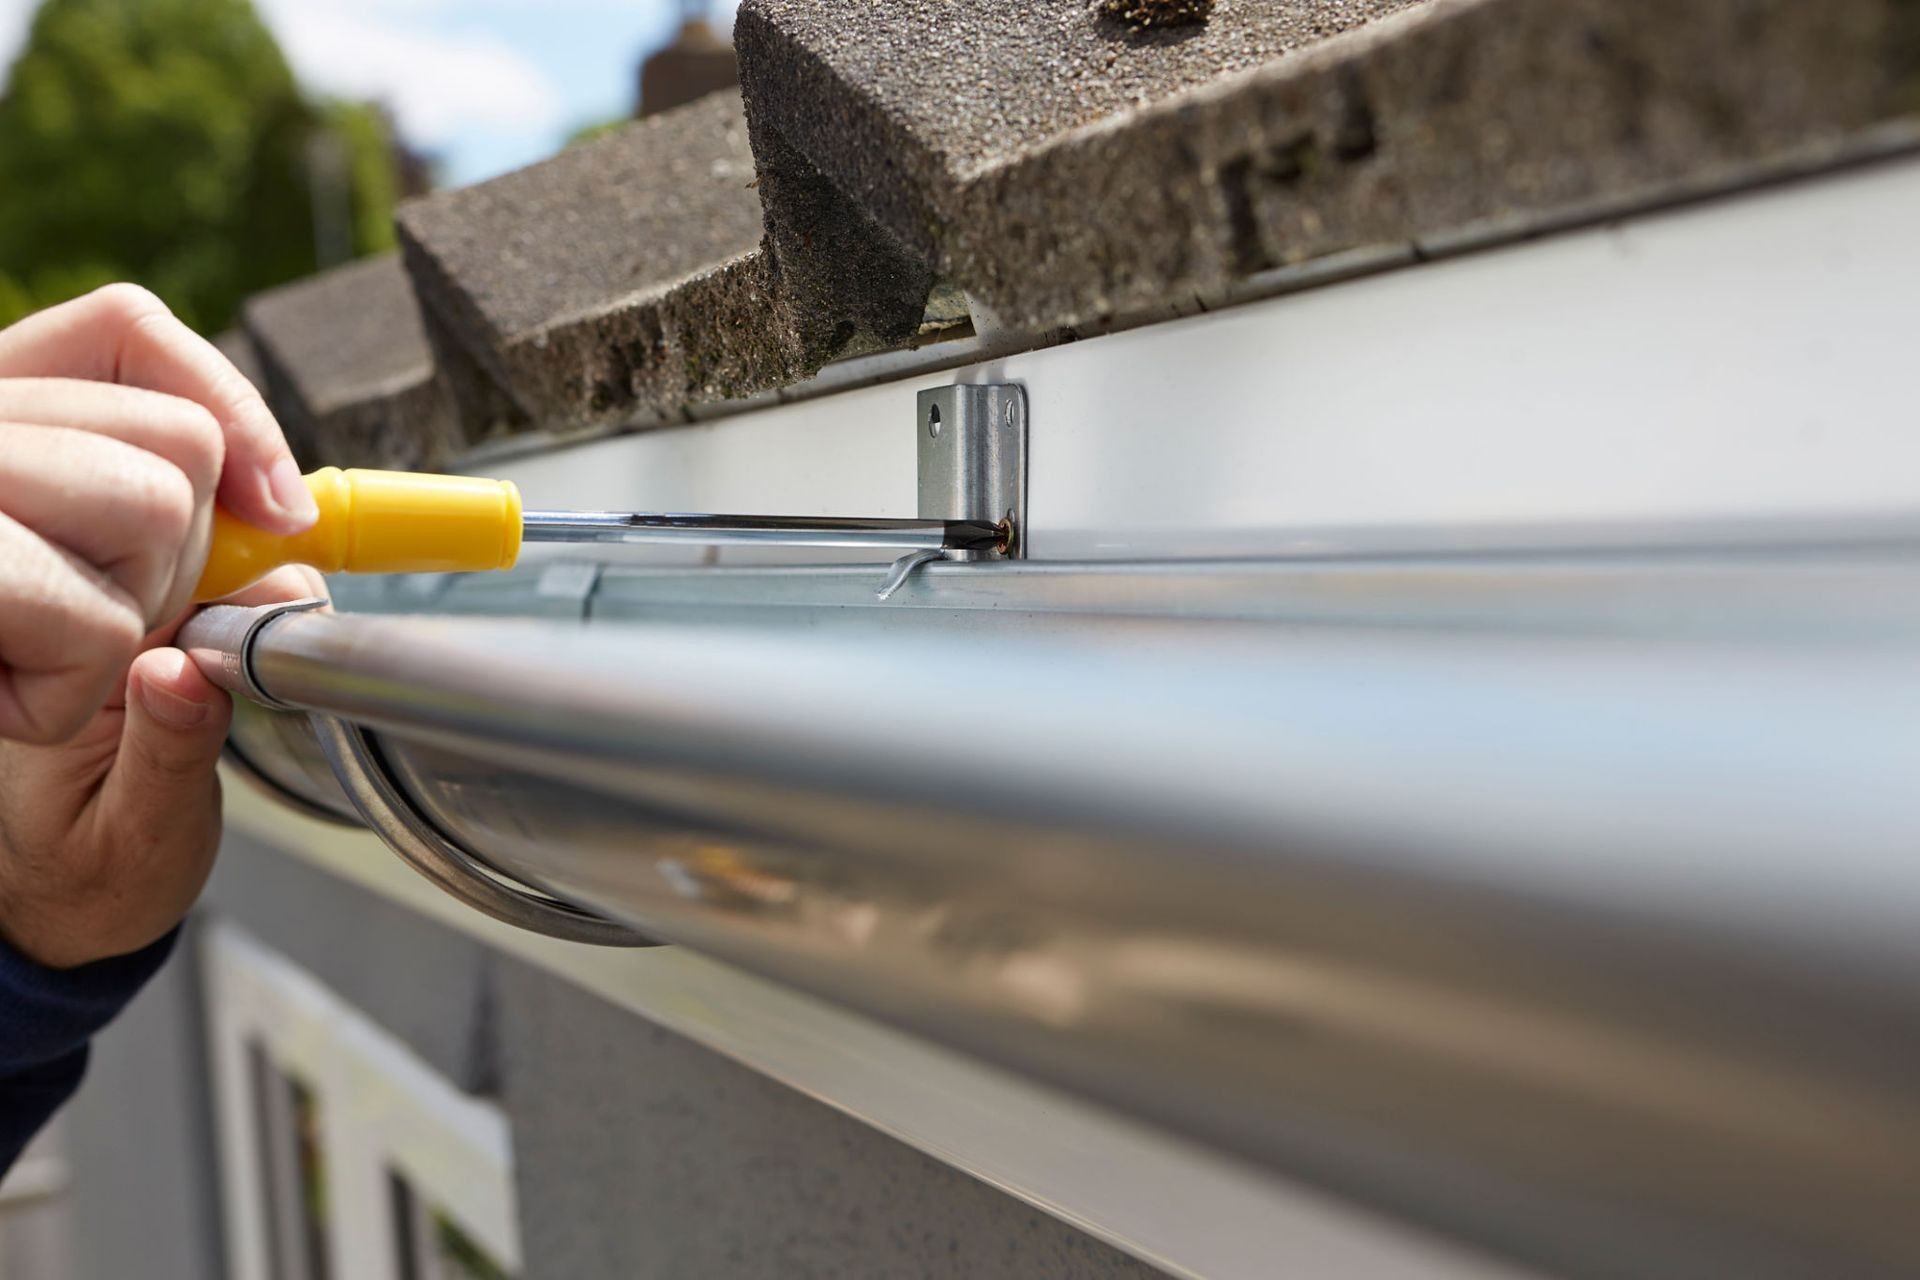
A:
x: 166, y: 142
x: 373, y: 179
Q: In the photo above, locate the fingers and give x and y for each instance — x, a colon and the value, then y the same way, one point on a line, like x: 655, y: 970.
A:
x: 176, y: 719
x: 182, y: 432
x: 67, y: 633
x: 176, y: 725
x: 106, y: 851
x: 123, y: 334
x: 129, y: 513
x: 157, y: 810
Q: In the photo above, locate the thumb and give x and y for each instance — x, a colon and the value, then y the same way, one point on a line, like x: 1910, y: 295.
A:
x: 176, y: 724
x: 155, y: 821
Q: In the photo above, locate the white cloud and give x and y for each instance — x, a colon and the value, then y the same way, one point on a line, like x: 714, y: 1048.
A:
x: 15, y: 17
x: 440, y: 86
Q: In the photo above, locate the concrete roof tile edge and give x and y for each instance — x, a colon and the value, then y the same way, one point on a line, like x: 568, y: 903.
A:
x: 971, y: 255
x: 651, y: 296
x: 420, y: 260
x: 270, y: 353
x: 1330, y: 52
x: 789, y: 66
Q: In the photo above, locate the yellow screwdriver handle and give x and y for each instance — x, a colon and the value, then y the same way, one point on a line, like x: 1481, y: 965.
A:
x: 375, y: 522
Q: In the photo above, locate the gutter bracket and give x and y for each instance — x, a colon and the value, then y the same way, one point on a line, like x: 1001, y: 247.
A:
x: 972, y: 461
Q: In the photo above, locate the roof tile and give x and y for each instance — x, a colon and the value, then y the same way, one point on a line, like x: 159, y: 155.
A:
x: 1064, y: 165
x: 617, y: 283
x: 345, y: 365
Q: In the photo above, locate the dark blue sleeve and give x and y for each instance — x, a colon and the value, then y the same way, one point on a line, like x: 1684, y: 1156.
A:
x: 46, y: 1018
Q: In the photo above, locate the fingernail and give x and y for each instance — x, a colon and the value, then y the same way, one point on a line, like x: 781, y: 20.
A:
x: 169, y: 707
x: 290, y: 492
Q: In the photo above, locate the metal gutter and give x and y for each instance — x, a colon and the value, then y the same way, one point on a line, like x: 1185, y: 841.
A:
x: 1595, y: 950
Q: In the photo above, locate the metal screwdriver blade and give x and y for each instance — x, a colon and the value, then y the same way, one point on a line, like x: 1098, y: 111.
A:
x: 636, y: 528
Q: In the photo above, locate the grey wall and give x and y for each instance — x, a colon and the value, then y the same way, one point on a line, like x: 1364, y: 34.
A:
x: 642, y: 1155
x: 140, y: 1141
x: 36, y: 1231
x: 638, y: 1153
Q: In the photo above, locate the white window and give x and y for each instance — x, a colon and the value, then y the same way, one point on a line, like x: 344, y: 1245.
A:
x: 343, y: 1155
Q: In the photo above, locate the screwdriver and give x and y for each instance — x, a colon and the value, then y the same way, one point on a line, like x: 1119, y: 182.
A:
x: 403, y: 522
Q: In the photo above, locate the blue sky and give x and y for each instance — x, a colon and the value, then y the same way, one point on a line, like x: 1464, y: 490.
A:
x: 484, y: 85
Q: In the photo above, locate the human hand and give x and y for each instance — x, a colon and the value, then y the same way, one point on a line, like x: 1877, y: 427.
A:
x: 119, y: 428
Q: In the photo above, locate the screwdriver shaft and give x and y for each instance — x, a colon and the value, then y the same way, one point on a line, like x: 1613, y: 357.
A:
x: 783, y: 531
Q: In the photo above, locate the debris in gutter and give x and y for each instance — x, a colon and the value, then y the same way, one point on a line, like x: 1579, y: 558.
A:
x: 1142, y: 14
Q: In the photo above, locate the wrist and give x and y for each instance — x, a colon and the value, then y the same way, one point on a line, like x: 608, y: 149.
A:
x: 73, y: 934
